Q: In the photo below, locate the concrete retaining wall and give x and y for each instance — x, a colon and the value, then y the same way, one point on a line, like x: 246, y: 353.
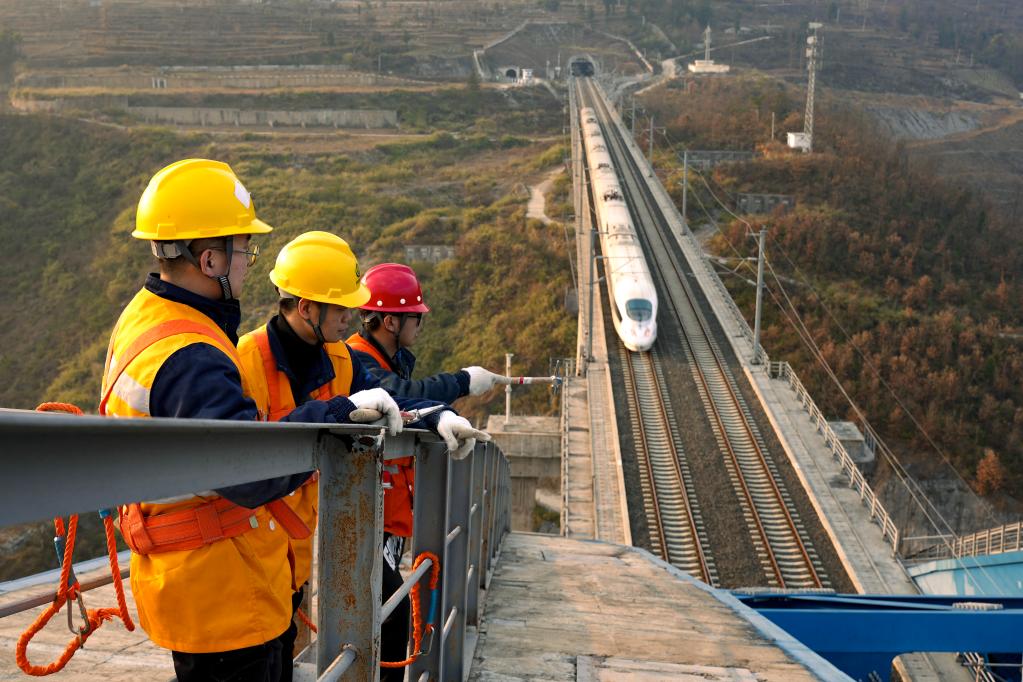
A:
x: 181, y: 78
x: 211, y: 116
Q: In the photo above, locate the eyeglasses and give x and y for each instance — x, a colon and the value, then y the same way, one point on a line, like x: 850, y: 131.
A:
x: 252, y: 253
x: 418, y: 317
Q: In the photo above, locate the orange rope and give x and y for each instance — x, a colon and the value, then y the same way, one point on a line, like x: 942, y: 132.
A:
x: 67, y: 593
x: 305, y: 619
x: 59, y: 407
x: 417, y: 616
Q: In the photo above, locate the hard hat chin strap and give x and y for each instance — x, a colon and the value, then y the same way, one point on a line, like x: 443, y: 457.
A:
x: 318, y: 325
x: 223, y: 280
x: 179, y: 247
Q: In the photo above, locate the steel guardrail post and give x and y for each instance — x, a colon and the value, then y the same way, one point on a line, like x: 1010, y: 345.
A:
x: 350, y: 536
x: 489, y: 459
x: 454, y: 568
x: 428, y: 535
x: 472, y: 589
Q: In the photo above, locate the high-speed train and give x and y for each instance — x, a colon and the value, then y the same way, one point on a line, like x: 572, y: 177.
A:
x: 632, y: 289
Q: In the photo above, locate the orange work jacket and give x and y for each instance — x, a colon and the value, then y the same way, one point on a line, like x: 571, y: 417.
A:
x: 398, y: 497
x: 231, y: 593
x: 271, y: 390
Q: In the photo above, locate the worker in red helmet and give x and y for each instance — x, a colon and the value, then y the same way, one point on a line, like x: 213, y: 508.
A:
x: 391, y: 321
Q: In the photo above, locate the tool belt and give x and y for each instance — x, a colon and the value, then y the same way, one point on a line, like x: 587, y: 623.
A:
x: 202, y: 525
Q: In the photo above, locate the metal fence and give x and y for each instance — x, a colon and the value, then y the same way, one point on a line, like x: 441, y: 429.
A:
x: 782, y: 370
x: 57, y: 464
x: 998, y: 540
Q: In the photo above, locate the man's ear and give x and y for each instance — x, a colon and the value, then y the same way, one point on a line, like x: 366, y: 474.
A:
x: 207, y: 263
x: 304, y: 308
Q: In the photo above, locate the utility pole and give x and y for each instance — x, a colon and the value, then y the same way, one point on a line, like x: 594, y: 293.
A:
x: 685, y: 188
x: 633, y: 120
x: 507, y: 389
x: 651, y: 141
x: 772, y: 126
x: 760, y: 298
x: 593, y: 283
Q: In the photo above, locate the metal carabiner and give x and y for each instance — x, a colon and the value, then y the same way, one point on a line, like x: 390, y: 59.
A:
x: 427, y: 646
x: 83, y: 631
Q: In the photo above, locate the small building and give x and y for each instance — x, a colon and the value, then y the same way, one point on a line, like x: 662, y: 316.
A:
x: 526, y: 76
x: 764, y: 203
x: 799, y: 141
x: 430, y: 253
x: 708, y: 66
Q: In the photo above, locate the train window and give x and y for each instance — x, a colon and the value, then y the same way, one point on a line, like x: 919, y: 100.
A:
x: 639, y: 309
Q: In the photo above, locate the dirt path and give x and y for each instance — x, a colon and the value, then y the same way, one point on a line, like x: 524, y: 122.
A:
x: 537, y: 197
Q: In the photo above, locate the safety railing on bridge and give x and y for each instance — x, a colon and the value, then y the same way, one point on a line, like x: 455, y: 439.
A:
x: 878, y: 514
x: 56, y: 464
x: 998, y: 540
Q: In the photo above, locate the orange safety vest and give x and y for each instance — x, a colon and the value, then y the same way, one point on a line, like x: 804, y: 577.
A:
x: 207, y: 575
x: 271, y: 390
x: 402, y: 478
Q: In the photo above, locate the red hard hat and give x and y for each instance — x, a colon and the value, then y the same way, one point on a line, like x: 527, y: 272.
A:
x: 393, y: 289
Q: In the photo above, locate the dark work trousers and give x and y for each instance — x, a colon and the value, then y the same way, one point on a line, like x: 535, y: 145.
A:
x: 394, y: 631
x: 288, y: 638
x: 260, y: 663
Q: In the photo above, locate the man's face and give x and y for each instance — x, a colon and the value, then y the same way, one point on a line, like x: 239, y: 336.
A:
x: 239, y: 263
x: 410, y: 329
x: 335, y: 323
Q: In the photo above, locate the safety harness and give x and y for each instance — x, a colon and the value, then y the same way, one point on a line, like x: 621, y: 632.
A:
x: 185, y: 529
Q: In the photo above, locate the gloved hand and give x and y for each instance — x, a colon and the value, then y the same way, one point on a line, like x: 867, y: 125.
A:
x: 458, y: 433
x: 380, y: 400
x: 480, y: 380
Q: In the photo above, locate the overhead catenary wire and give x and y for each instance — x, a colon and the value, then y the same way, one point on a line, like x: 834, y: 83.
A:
x: 810, y: 343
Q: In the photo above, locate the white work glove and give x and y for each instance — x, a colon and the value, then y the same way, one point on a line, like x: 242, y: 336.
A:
x: 380, y: 400
x: 458, y: 433
x: 480, y: 380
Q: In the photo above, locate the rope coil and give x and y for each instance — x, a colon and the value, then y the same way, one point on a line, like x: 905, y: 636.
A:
x: 68, y: 589
x: 417, y: 616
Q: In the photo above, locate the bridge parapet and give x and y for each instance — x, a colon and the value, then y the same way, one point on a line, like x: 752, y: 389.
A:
x: 63, y: 464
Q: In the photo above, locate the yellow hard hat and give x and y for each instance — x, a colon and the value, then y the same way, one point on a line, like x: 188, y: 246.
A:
x: 193, y: 199
x: 320, y: 266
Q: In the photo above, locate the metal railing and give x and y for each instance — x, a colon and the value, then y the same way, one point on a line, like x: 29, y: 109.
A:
x: 998, y: 540
x: 57, y: 464
x: 878, y: 514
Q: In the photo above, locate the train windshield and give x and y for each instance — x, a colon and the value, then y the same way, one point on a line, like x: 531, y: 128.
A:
x: 639, y: 309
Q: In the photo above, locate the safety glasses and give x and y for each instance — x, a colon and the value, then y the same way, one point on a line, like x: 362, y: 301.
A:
x: 252, y: 253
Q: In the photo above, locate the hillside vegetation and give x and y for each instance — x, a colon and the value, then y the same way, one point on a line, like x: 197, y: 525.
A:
x: 67, y: 197
x: 922, y: 281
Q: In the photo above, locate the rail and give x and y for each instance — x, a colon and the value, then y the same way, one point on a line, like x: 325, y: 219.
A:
x: 59, y: 464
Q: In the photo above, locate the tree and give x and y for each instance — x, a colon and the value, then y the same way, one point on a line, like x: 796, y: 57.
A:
x: 991, y: 474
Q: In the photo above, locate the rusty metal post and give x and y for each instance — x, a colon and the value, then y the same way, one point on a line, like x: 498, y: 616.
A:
x: 456, y: 562
x: 428, y: 535
x: 487, y: 514
x: 476, y: 520
x: 350, y: 549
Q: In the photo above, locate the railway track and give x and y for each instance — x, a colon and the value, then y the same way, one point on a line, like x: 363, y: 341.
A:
x: 783, y: 547
x: 672, y: 512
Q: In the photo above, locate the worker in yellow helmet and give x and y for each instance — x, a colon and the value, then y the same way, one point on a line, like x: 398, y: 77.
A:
x: 299, y: 355
x: 219, y: 598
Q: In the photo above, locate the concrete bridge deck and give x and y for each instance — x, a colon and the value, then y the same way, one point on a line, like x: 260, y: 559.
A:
x: 566, y: 609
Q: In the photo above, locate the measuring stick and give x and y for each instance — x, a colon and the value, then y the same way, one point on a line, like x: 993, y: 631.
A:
x: 519, y: 381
